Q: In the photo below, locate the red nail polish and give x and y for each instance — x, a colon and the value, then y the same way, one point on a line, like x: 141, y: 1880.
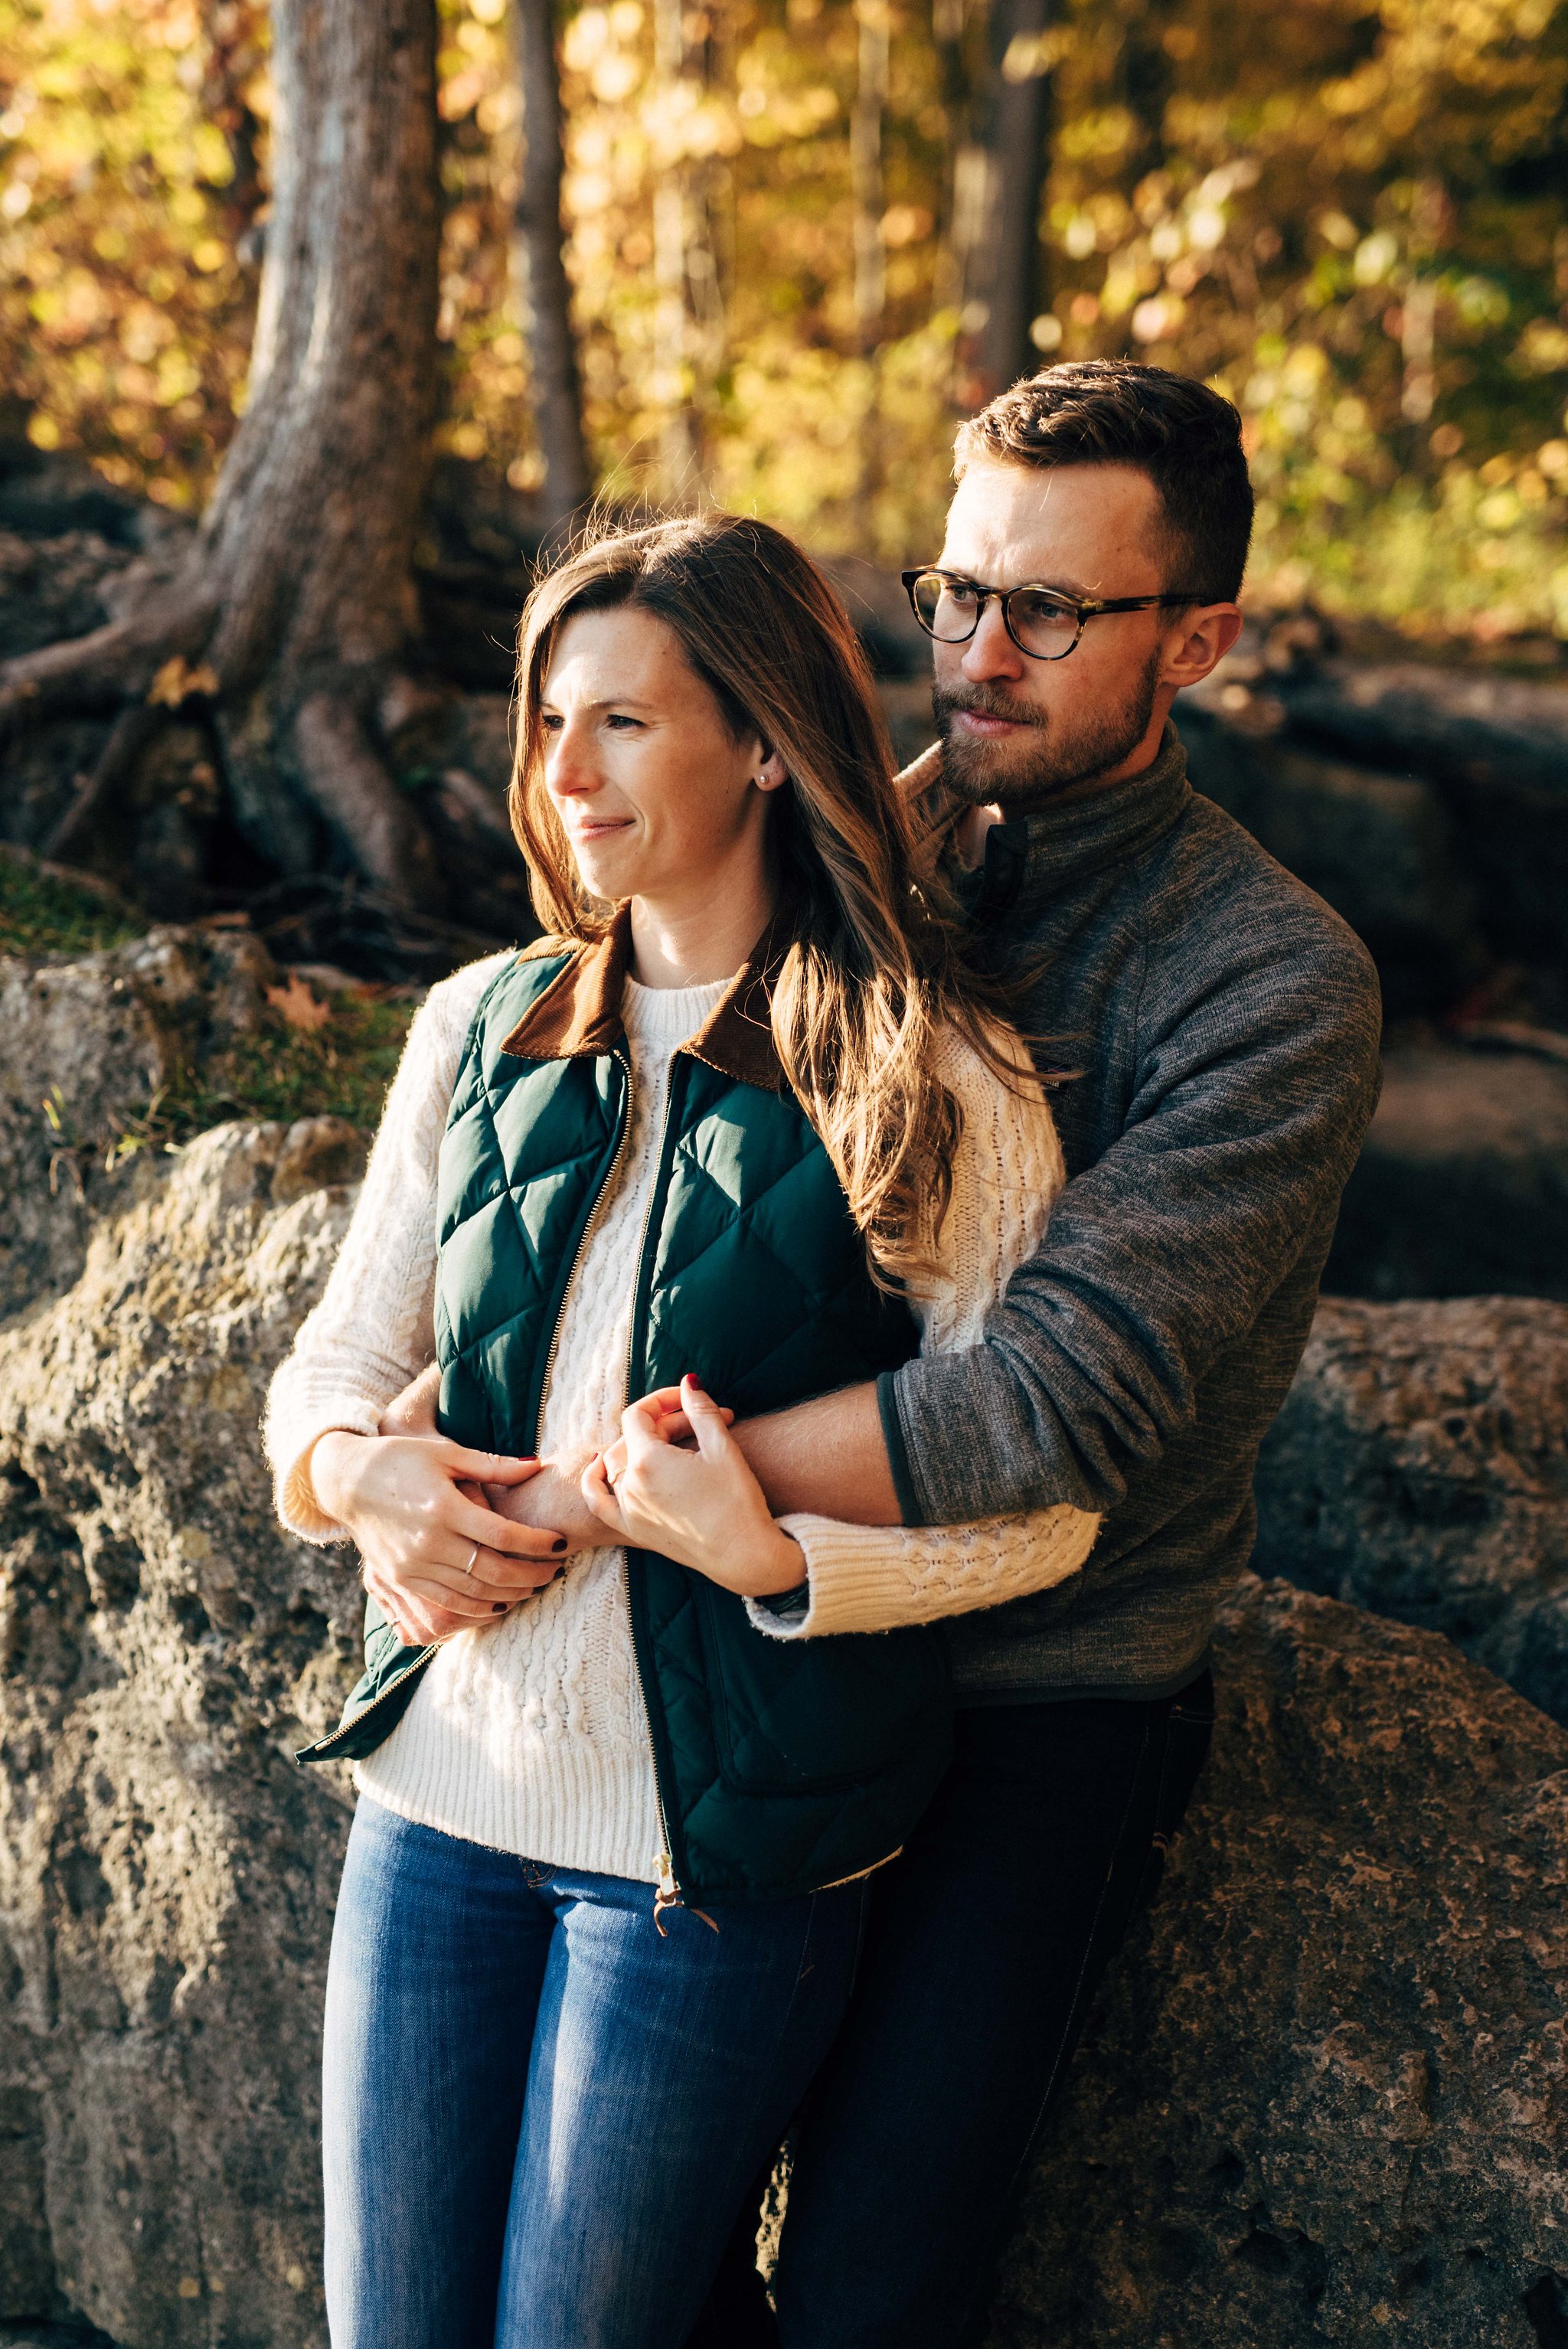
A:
x: 693, y: 1380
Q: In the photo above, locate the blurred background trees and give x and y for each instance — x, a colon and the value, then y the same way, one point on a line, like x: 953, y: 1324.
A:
x: 801, y: 235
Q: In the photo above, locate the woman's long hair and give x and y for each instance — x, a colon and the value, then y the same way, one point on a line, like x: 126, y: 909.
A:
x: 875, y: 966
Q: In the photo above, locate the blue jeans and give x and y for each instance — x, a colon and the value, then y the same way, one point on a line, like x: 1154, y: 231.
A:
x: 540, y: 2116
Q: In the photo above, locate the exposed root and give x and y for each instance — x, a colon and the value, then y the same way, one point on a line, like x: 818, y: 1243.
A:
x: 131, y: 730
x: 349, y: 784
x: 114, y: 664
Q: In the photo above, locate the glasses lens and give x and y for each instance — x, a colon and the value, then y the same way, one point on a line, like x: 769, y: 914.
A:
x: 1042, y: 625
x: 944, y: 610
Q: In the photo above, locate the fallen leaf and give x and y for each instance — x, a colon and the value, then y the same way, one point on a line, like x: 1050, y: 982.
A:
x: 298, y: 1005
x: 175, y: 682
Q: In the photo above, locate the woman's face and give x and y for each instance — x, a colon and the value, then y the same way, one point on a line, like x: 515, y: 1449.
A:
x: 658, y: 801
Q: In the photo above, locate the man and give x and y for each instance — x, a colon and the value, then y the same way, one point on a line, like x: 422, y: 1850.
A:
x: 1222, y: 1027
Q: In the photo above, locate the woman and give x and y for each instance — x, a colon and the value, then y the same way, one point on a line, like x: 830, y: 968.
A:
x: 742, y: 1129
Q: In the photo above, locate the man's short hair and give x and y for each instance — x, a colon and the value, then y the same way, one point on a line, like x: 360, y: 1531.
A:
x: 1186, y: 438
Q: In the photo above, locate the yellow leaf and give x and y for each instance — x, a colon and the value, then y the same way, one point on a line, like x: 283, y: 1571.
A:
x: 298, y: 1005
x: 175, y: 682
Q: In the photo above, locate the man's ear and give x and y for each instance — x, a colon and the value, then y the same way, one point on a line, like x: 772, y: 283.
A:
x: 1199, y: 642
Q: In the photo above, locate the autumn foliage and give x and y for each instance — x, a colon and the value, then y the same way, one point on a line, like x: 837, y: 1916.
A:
x: 1349, y: 213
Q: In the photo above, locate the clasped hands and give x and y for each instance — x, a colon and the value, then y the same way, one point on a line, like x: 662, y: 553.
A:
x: 450, y: 1537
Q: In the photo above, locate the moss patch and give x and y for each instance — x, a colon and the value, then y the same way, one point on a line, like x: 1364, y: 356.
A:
x: 341, y: 1069
x: 45, y: 912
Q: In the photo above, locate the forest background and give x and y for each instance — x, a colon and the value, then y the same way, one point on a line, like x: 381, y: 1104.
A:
x: 779, y: 217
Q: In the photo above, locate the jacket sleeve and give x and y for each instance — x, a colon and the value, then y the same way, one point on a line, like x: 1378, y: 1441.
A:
x: 1252, y: 1089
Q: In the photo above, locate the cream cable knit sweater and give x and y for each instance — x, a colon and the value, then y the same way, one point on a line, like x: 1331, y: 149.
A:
x: 529, y: 1735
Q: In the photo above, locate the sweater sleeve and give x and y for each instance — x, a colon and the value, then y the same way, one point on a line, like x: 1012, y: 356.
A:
x: 374, y: 1327
x: 1255, y: 1077
x: 874, y: 1578
x: 1006, y: 1172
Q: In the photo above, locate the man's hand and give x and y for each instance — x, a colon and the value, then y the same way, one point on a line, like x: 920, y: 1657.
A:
x: 554, y: 1500
x: 437, y: 1561
x: 703, y: 1508
x: 826, y: 1457
x: 550, y: 1501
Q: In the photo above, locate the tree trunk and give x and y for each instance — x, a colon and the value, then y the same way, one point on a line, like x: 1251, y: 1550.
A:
x: 871, y: 252
x: 998, y: 185
x: 866, y: 173
x: 296, y: 600
x: 689, y: 317
x: 540, y: 271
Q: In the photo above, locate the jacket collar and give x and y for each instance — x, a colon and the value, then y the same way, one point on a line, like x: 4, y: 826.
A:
x: 1063, y: 839
x: 578, y: 1013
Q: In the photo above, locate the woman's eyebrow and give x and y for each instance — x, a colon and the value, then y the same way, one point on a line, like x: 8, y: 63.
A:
x: 604, y: 701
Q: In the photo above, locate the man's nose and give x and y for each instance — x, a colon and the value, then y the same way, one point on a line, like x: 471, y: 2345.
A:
x: 991, y: 651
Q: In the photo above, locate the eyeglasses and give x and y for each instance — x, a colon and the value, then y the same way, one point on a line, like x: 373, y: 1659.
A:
x: 1043, y: 621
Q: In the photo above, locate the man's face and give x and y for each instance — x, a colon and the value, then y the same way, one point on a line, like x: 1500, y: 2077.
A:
x: 1013, y: 728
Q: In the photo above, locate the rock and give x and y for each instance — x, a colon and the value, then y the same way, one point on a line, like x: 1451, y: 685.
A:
x: 1494, y: 746
x: 1462, y: 1187
x: 318, y: 1151
x: 85, y: 1047
x: 167, y: 1872
x: 1378, y: 847
x: 1324, y: 2098
x: 1420, y: 1468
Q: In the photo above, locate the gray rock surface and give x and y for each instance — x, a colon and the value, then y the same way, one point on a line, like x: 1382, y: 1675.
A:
x: 1493, y: 745
x: 167, y: 1873
x: 1461, y: 1189
x: 1420, y: 1468
x: 84, y: 1046
x: 1324, y: 2098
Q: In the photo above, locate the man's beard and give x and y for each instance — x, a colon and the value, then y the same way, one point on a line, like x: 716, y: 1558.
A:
x: 1054, y: 755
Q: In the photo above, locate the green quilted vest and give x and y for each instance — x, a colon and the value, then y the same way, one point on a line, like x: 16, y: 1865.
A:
x: 782, y: 1766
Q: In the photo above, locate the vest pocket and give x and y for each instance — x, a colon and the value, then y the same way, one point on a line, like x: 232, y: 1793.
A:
x: 817, y: 1716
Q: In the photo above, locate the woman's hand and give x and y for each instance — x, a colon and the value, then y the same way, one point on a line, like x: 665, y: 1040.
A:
x: 436, y: 1559
x: 705, y: 1507
x: 553, y: 1499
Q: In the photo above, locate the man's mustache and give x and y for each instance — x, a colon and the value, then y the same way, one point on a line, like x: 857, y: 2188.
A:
x: 985, y: 701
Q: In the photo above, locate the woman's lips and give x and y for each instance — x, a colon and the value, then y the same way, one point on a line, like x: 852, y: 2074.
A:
x: 586, y: 831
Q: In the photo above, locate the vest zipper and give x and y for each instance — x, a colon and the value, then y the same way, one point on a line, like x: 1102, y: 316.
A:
x: 668, y: 1894
x: 418, y: 1664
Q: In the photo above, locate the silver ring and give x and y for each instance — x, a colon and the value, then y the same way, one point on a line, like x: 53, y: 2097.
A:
x: 469, y: 1570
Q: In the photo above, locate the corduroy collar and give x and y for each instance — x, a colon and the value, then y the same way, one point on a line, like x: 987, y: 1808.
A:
x: 579, y: 1013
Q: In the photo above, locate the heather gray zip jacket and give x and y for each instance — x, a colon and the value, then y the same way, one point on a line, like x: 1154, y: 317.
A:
x: 1226, y: 1026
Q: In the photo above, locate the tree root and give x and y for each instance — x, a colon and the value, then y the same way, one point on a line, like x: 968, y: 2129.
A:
x: 350, y: 785
x: 327, y: 746
x: 112, y: 665
x: 131, y: 730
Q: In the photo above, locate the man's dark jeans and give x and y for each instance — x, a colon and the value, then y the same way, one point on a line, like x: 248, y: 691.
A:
x: 985, y: 1944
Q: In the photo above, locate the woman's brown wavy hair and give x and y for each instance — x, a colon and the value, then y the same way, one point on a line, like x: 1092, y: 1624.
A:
x: 875, y: 966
